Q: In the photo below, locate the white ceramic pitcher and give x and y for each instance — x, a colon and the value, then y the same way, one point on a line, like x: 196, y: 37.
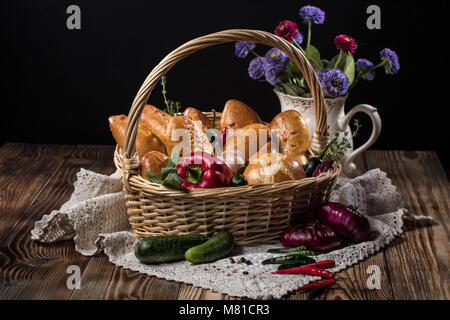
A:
x: 337, y: 120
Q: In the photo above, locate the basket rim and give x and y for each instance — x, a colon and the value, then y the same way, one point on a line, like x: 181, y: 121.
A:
x: 154, y: 187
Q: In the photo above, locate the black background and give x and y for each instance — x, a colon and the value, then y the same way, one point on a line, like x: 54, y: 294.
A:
x: 60, y: 85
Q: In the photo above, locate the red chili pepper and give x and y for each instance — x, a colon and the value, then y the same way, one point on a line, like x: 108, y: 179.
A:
x: 324, y: 264
x: 323, y: 283
x: 202, y: 170
x: 307, y: 270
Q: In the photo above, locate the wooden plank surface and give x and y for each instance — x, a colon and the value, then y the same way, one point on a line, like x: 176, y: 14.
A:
x: 36, y: 179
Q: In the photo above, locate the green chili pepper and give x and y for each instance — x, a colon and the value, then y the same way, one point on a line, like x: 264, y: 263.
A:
x: 239, y: 179
x: 289, y: 259
x: 299, y: 250
x: 286, y: 250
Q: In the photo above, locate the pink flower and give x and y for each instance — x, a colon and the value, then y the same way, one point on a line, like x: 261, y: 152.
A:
x: 286, y: 30
x: 345, y: 43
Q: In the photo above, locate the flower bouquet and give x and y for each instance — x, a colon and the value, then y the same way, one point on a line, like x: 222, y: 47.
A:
x: 337, y: 76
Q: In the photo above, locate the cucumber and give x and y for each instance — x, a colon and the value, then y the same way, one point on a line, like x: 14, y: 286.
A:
x: 160, y: 249
x: 219, y: 246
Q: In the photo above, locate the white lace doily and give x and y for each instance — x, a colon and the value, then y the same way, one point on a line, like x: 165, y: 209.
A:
x: 95, y: 217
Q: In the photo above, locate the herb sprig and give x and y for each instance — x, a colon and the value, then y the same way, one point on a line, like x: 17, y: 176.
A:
x: 336, y: 149
x: 172, y: 107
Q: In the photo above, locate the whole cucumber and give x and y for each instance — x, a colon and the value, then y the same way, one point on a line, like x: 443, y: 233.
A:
x: 161, y: 249
x: 219, y: 246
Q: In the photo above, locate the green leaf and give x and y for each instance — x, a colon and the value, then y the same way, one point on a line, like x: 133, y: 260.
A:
x: 325, y: 63
x: 293, y: 67
x: 166, y: 171
x: 279, y: 88
x: 349, y: 68
x: 153, y: 177
x: 173, y: 180
x: 313, y: 55
x: 292, y: 89
x: 341, y: 63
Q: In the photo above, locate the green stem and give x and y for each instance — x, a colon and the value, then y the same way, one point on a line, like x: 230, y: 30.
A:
x: 163, y: 84
x: 309, y: 34
x: 298, y: 46
x: 214, y: 119
x: 254, y: 53
x: 360, y: 74
x: 338, y: 60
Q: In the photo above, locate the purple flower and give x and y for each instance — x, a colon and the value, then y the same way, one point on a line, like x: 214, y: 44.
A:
x: 362, y: 66
x: 277, y: 59
x: 392, y: 66
x: 272, y: 75
x: 242, y: 48
x: 334, y: 82
x: 298, y: 37
x: 256, y: 68
x: 275, y: 62
x: 312, y: 14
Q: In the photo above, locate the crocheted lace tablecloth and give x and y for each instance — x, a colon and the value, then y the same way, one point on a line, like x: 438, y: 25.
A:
x: 95, y: 218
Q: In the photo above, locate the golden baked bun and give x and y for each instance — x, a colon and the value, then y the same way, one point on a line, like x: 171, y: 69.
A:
x: 156, y: 120
x: 267, y: 148
x: 237, y: 114
x: 145, y: 140
x: 293, y: 132
x: 248, y: 139
x: 153, y: 161
x: 273, y: 168
x: 197, y: 115
x: 194, y: 137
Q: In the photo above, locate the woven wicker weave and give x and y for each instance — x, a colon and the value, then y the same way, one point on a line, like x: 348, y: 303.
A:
x: 254, y: 214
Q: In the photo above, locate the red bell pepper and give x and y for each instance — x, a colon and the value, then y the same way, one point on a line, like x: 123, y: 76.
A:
x: 203, y: 170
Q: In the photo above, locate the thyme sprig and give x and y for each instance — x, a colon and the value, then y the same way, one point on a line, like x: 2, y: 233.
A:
x: 172, y: 107
x: 336, y: 148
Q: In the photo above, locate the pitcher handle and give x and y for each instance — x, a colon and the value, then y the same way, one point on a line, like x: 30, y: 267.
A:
x: 347, y: 162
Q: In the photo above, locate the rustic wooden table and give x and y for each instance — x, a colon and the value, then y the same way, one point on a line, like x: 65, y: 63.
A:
x: 35, y: 179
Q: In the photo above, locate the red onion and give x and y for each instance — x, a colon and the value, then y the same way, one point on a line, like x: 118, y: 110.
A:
x: 348, y: 223
x: 314, y: 236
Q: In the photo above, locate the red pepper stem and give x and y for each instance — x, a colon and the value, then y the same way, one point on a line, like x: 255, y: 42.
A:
x: 194, y: 174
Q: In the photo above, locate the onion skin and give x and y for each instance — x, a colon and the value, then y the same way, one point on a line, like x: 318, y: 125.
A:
x: 314, y: 236
x: 348, y: 223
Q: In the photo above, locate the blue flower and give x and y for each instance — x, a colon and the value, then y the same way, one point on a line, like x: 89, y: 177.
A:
x: 312, y: 14
x: 256, y: 68
x: 362, y: 65
x: 298, y: 37
x: 242, y: 48
x: 392, y: 64
x: 334, y: 82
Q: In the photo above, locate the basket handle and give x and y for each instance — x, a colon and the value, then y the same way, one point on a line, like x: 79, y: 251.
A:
x: 320, y: 137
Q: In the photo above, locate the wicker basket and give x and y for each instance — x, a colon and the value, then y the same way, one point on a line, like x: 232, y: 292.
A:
x: 254, y: 214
